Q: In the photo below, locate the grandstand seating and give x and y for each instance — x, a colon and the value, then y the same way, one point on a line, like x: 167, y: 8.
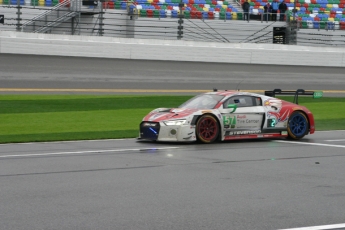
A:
x: 48, y: 3
x: 312, y: 13
x: 308, y: 11
x: 195, y: 9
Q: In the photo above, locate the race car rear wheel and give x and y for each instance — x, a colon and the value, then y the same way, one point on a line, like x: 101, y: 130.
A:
x: 207, y: 129
x: 298, y: 125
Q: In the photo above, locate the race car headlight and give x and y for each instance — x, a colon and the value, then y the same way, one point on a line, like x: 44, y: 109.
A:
x: 174, y: 122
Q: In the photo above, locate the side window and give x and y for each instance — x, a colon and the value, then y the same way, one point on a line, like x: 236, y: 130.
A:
x: 243, y: 101
x: 258, y: 101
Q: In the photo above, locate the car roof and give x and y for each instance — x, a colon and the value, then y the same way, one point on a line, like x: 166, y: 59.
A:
x: 231, y: 93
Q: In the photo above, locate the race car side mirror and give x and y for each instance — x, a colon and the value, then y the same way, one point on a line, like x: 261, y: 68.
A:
x: 233, y: 107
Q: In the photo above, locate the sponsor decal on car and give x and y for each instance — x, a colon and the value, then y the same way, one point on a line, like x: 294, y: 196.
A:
x: 244, y: 132
x: 241, y: 121
x: 147, y: 124
x: 229, y: 121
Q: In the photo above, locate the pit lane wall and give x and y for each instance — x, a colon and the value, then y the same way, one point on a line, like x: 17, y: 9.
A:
x: 168, y: 50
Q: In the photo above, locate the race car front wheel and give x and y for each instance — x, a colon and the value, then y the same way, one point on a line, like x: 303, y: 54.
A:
x: 207, y: 129
x: 298, y: 125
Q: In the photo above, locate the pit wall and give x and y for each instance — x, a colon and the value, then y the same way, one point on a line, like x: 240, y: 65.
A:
x: 168, y: 50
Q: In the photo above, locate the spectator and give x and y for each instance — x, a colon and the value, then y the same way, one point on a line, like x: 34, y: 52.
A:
x: 267, y: 10
x: 275, y: 7
x: 282, y: 9
x: 246, y: 7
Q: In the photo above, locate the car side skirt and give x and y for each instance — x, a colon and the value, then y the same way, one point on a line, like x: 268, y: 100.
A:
x: 256, y: 136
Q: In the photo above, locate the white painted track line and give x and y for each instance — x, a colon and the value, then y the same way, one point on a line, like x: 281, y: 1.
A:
x: 336, y: 140
x: 330, y: 131
x: 322, y: 227
x: 72, y: 141
x: 313, y: 144
x: 85, y: 152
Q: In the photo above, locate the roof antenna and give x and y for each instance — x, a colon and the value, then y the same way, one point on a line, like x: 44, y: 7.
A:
x: 238, y: 85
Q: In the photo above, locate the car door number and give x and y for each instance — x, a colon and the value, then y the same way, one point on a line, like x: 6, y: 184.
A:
x: 242, y: 121
x: 229, y: 121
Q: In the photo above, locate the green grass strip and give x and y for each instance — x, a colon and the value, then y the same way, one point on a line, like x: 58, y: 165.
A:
x: 30, y: 118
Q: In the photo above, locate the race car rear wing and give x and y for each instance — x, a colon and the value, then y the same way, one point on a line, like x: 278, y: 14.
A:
x: 296, y: 93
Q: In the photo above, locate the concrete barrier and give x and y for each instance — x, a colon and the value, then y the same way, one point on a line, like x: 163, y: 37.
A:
x: 172, y: 50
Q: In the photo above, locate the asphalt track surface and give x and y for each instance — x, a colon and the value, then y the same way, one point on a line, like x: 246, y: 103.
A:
x: 52, y: 74
x: 126, y: 184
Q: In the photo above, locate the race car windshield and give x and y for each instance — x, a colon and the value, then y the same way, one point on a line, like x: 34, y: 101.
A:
x: 203, y: 101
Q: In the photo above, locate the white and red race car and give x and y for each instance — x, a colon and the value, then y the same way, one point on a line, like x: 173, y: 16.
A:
x: 230, y: 115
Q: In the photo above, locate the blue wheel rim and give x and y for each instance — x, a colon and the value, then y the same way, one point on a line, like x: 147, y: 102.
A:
x: 298, y: 125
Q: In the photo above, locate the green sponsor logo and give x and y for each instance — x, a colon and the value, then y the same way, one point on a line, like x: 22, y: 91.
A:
x: 229, y: 121
x: 318, y: 94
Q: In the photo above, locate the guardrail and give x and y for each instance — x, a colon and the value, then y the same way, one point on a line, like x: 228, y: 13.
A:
x: 168, y: 50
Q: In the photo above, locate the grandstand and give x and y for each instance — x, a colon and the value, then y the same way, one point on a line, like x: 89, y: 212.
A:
x: 317, y: 11
x: 320, y: 22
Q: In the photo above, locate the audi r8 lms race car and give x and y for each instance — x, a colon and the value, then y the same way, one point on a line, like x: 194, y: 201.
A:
x: 230, y: 115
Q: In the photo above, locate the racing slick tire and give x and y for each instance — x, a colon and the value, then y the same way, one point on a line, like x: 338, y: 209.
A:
x: 298, y: 125
x: 207, y: 129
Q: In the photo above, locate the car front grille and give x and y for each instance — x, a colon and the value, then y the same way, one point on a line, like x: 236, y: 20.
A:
x: 149, y: 130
